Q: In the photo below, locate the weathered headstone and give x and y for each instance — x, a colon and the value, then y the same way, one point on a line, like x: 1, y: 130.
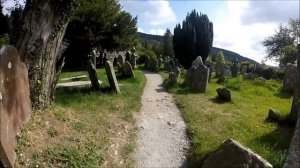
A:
x: 219, y: 69
x: 235, y: 68
x: 133, y: 60
x: 224, y: 94
x: 227, y: 72
x: 110, y: 72
x: 93, y: 75
x: 232, y: 154
x: 120, y: 69
x: 197, y: 76
x: 15, y: 105
x: 128, y: 72
x: 121, y: 60
x: 290, y: 78
x: 127, y: 56
x: 174, y: 75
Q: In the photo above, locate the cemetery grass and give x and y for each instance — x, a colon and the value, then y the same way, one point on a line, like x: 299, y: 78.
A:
x: 84, y: 128
x: 211, y: 121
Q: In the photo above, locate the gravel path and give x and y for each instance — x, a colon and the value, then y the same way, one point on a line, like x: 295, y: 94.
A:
x: 162, y: 140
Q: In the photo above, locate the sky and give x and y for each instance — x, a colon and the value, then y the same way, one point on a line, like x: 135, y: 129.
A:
x: 239, y: 25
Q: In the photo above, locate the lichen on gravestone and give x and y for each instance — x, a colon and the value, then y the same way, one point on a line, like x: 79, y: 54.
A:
x: 15, y: 105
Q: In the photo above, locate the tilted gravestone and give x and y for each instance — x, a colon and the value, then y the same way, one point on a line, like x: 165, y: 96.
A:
x: 290, y: 78
x: 110, y: 72
x: 197, y: 76
x: 133, y: 60
x: 121, y: 60
x: 15, y: 105
x: 128, y: 72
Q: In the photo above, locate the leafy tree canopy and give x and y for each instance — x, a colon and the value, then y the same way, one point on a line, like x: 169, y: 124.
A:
x: 282, y: 45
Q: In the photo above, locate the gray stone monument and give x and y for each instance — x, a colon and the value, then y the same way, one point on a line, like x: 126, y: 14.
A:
x: 128, y: 72
x: 174, y: 75
x: 197, y: 76
x: 290, y: 78
x: 15, y: 108
x: 110, y: 72
x: 121, y: 60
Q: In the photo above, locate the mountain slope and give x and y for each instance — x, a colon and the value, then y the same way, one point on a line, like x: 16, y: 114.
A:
x: 227, y: 54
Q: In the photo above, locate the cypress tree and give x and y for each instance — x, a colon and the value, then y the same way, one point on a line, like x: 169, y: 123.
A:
x: 193, y: 39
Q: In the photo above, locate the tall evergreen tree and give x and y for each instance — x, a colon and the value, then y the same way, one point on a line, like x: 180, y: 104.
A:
x: 194, y: 38
x: 168, y: 45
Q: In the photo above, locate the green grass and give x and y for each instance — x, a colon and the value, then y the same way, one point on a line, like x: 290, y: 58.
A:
x: 78, y: 129
x: 210, y: 122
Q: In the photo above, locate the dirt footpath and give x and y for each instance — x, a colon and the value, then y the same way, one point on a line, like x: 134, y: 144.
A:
x: 162, y: 140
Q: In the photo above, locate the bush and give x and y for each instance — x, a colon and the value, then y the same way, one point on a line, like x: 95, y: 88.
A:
x: 152, y: 62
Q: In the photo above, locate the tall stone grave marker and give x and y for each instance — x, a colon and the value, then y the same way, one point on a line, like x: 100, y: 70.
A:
x: 290, y: 78
x: 15, y: 105
x: 110, y: 72
x: 197, y: 76
x: 235, y: 68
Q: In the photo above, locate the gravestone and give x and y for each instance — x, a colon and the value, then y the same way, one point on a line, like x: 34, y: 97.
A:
x: 244, y: 69
x: 227, y: 72
x: 290, y: 78
x: 133, y: 60
x: 224, y: 94
x: 235, y: 68
x: 128, y: 72
x: 219, y: 69
x: 127, y: 56
x: 121, y: 60
x: 120, y: 69
x: 93, y: 75
x: 110, y: 72
x: 232, y: 154
x: 197, y: 76
x: 174, y: 75
x: 15, y: 105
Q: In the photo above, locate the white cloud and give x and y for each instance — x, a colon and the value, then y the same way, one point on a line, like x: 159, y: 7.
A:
x: 151, y: 12
x: 270, y: 11
x: 141, y: 30
x: 231, y: 33
x: 158, y: 31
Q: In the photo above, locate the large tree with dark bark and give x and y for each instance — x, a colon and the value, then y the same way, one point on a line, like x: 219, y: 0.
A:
x: 193, y: 38
x: 39, y: 39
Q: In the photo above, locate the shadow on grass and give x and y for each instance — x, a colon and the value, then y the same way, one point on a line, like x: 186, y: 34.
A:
x: 218, y: 100
x: 283, y: 95
x: 66, y: 95
x: 276, y: 140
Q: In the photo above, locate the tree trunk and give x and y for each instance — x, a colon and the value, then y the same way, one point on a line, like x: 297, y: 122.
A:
x: 296, y: 100
x: 43, y: 27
